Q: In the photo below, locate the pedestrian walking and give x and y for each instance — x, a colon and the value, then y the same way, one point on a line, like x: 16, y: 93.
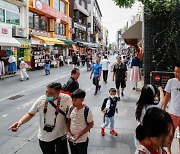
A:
x: 172, y: 98
x: 147, y: 100
x: 120, y: 75
x: 2, y: 69
x: 155, y: 132
x: 135, y: 75
x: 96, y: 71
x: 61, y: 58
x: 105, y: 63
x: 80, y: 121
x: 52, y: 124
x: 83, y: 59
x: 72, y: 84
x: 12, y: 65
x: 47, y: 65
x: 23, y: 66
x: 74, y: 60
x: 109, y: 108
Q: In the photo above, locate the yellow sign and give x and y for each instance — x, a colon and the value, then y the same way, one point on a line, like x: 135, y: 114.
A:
x: 25, y: 46
x: 27, y: 55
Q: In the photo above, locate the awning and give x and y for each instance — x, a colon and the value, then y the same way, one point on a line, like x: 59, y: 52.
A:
x: 68, y: 42
x: 9, y: 41
x: 25, y: 43
x: 49, y: 40
x: 73, y: 47
x: 134, y: 32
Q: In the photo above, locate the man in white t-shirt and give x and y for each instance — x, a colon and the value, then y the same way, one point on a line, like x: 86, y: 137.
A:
x: 173, y: 97
x: 52, y: 109
x: 105, y: 63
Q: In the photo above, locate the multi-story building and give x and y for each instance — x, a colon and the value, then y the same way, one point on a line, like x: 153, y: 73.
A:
x: 13, y: 28
x: 95, y: 30
x: 49, y: 23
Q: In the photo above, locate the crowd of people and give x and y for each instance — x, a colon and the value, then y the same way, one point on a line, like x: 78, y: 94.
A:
x: 73, y: 118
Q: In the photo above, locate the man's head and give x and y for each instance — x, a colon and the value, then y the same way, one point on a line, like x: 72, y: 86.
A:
x: 78, y: 97
x: 75, y: 73
x: 97, y: 61
x: 53, y: 89
x: 105, y: 57
x: 177, y: 71
x: 119, y: 59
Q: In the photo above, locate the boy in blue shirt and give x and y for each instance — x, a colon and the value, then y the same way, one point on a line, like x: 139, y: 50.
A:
x: 96, y: 71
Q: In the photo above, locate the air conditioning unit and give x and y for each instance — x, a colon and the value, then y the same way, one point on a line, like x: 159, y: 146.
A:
x: 18, y: 31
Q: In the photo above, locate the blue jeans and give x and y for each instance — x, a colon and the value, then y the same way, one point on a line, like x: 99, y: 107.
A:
x: 47, y: 68
x: 107, y: 121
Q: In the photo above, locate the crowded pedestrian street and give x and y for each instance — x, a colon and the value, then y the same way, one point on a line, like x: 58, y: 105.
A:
x: 17, y: 97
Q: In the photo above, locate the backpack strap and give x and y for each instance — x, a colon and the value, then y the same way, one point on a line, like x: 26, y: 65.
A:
x: 86, y: 111
x: 71, y: 109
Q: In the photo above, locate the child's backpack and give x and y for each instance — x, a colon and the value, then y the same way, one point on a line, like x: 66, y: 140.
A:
x: 86, y: 110
x: 104, y: 103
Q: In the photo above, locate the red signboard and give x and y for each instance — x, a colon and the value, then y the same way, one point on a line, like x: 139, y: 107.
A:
x: 51, y: 11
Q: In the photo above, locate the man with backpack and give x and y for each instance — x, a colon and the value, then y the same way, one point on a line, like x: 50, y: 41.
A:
x: 80, y: 121
x: 109, y: 107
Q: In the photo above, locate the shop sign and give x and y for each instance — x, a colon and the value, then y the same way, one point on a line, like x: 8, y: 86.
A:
x: 5, y: 30
x: 43, y: 7
x: 160, y: 78
x: 79, y: 26
x: 25, y: 46
x: 41, y: 33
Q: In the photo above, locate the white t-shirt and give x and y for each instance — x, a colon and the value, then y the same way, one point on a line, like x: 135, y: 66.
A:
x: 105, y: 63
x: 145, y: 108
x: 78, y: 123
x: 173, y: 87
x: 60, y: 126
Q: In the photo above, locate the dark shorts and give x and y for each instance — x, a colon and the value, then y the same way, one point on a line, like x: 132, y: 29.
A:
x: 120, y: 82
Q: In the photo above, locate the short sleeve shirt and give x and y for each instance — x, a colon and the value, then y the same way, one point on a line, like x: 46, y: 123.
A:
x: 96, y: 68
x: 119, y: 70
x: 60, y: 126
x: 173, y: 87
x: 78, y: 122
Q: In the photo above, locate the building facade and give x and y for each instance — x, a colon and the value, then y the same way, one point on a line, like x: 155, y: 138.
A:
x: 95, y: 29
x: 13, y: 27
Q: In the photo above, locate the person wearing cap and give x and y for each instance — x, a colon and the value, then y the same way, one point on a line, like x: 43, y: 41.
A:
x: 120, y: 76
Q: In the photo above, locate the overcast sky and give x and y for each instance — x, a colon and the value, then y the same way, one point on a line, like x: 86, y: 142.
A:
x: 114, y: 17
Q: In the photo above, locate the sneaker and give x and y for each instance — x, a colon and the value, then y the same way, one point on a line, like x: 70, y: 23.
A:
x: 122, y: 94
x: 113, y: 132
x: 102, y: 132
x: 27, y: 78
x: 95, y: 93
x: 133, y: 88
x: 118, y: 98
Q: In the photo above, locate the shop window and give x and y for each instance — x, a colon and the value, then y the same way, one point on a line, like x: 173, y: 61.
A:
x: 12, y: 18
x: 31, y: 22
x: 2, y: 15
x: 83, y: 3
x: 42, y: 25
x: 36, y: 21
x: 9, y: 6
x: 60, y: 29
x: 57, y: 4
x: 63, y: 7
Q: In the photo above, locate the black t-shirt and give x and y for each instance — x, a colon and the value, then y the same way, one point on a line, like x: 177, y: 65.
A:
x: 71, y: 85
x: 120, y: 71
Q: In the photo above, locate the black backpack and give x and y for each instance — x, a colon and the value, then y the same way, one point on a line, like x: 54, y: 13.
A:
x: 86, y: 110
x: 104, y: 103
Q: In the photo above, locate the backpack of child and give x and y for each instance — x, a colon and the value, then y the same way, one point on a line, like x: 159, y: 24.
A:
x: 86, y: 110
x: 104, y: 103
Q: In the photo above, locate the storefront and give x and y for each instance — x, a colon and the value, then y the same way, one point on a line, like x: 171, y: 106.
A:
x: 8, y: 44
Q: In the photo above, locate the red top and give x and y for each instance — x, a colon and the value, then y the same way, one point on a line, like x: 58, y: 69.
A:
x: 146, y: 149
